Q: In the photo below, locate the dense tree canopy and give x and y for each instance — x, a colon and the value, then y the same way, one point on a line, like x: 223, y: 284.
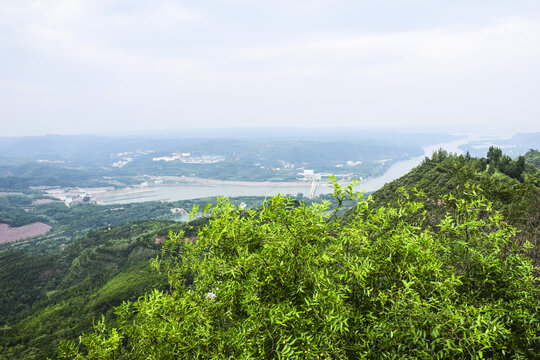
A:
x: 290, y: 282
x: 532, y: 157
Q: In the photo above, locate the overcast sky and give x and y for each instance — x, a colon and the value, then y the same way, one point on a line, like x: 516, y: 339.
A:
x: 115, y: 66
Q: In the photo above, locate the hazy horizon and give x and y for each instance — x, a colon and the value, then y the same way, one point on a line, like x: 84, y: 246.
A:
x: 117, y: 68
x: 292, y: 132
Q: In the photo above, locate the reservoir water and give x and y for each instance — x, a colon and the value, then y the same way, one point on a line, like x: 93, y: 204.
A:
x: 194, y: 190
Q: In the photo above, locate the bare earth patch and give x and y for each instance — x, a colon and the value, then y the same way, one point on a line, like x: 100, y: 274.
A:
x: 43, y: 201
x: 9, y: 234
x: 159, y: 240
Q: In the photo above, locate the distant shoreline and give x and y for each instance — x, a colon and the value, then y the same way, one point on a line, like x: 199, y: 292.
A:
x: 211, y: 182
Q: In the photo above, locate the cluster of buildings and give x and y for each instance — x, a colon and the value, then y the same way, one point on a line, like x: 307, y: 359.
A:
x: 127, y: 157
x: 350, y: 163
x: 175, y: 156
x: 122, y: 163
x: 77, y: 195
x: 189, y: 159
x: 312, y: 176
x: 50, y: 161
x: 286, y: 164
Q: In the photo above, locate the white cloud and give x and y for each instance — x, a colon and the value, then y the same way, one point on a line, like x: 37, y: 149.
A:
x: 164, y: 59
x: 162, y: 16
x: 349, y: 54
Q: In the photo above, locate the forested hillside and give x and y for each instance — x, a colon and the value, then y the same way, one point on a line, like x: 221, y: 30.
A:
x: 512, y: 185
x: 47, y: 298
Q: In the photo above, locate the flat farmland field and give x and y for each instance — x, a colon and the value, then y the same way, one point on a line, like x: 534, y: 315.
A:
x: 9, y: 234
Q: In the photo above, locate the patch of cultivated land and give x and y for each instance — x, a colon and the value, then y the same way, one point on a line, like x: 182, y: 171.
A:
x: 43, y: 201
x: 9, y: 234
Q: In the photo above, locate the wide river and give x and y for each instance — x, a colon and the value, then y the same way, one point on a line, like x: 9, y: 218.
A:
x: 195, y: 190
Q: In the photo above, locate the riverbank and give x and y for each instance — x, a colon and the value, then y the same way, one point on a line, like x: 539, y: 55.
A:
x: 211, y: 182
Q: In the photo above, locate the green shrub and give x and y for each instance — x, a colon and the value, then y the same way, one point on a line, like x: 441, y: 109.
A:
x: 289, y: 282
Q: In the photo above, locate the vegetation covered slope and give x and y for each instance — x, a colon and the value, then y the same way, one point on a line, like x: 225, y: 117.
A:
x: 512, y: 185
x: 445, y: 173
x: 532, y: 157
x: 289, y: 282
x: 47, y: 298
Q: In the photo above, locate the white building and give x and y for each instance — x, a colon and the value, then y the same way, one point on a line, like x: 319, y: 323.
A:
x: 310, y: 175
